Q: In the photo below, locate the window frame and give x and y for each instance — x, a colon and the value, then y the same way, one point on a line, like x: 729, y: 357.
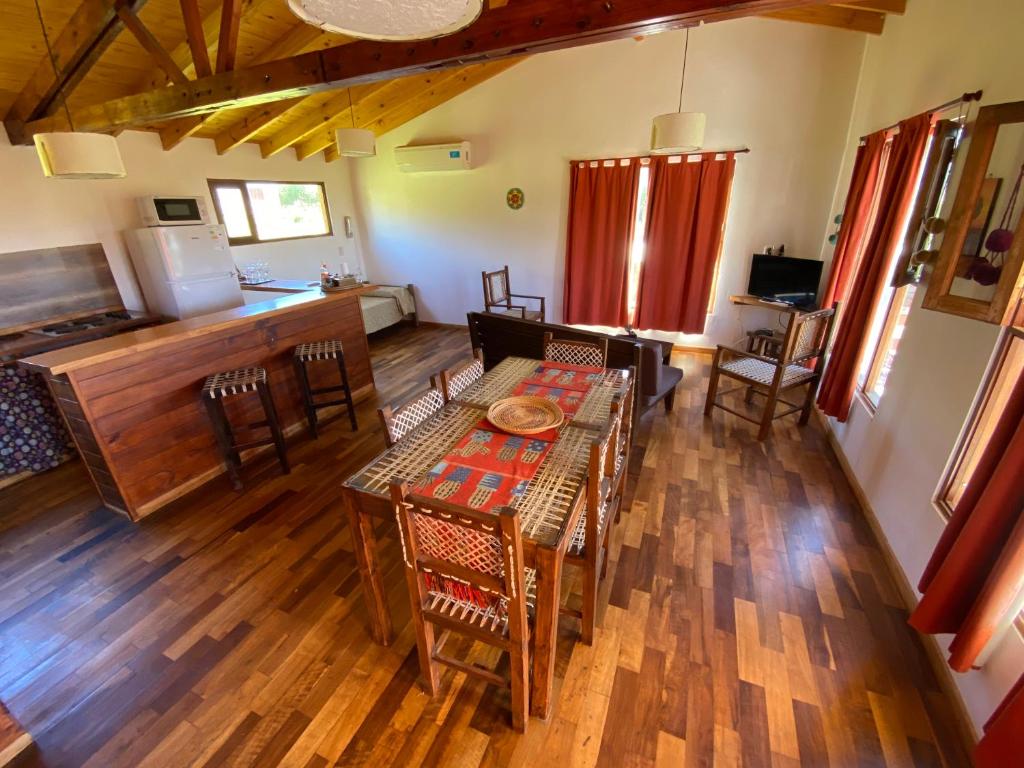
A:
x: 969, y: 433
x: 254, y: 238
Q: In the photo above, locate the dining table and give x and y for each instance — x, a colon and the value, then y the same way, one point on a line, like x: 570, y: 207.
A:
x: 549, y: 505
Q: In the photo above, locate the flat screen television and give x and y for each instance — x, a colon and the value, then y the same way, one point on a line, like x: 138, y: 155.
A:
x: 782, y: 278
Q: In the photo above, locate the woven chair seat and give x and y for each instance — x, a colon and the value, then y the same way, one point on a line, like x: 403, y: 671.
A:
x: 489, y: 615
x: 234, y: 382
x: 764, y: 373
x: 319, y: 350
x: 578, y: 541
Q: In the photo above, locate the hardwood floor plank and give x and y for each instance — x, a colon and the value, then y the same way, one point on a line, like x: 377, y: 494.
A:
x: 746, y: 619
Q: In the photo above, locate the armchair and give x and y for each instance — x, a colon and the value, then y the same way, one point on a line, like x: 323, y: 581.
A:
x: 799, y: 364
x: 498, y: 297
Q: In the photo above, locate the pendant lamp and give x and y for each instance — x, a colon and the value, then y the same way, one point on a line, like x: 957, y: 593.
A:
x: 677, y: 132
x: 355, y: 142
x: 388, y: 19
x: 65, y: 155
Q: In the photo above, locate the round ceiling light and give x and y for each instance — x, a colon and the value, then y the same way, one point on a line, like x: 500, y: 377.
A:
x: 388, y: 19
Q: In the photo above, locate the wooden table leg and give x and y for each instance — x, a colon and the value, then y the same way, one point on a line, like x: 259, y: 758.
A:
x: 364, y: 541
x: 545, y: 630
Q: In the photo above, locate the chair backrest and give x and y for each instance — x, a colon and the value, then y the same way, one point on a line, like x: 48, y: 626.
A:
x: 807, y: 336
x: 575, y: 352
x: 496, y: 288
x: 468, y: 564
x: 600, y: 468
x: 455, y: 380
x: 399, y: 422
x: 623, y: 405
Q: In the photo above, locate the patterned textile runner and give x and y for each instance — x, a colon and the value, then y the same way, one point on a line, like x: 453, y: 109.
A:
x: 489, y: 468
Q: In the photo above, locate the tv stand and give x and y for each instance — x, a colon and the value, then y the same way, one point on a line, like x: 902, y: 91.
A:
x: 757, y: 301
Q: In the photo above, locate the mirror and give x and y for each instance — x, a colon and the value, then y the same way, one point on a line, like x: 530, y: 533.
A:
x: 979, y: 263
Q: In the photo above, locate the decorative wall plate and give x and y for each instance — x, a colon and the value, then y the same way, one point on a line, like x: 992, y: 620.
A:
x: 525, y: 415
x: 515, y: 198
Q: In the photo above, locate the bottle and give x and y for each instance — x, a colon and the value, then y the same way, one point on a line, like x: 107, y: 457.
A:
x: 325, y: 276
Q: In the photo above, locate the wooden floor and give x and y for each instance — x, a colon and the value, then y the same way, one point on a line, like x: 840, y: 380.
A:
x: 748, y: 618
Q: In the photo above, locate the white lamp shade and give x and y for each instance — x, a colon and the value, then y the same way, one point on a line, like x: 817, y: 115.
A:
x: 388, y: 19
x: 355, y: 142
x: 79, y: 155
x: 678, y: 132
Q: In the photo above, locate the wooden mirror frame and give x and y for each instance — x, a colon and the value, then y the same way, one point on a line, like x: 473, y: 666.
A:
x: 1005, y: 305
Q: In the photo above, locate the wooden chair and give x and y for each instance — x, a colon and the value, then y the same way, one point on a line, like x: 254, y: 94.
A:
x: 453, y: 381
x: 465, y: 572
x: 498, y: 297
x: 399, y: 422
x: 575, y: 352
x: 806, y: 340
x: 588, y: 545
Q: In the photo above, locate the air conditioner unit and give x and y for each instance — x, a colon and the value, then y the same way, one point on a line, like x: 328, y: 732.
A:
x: 434, y: 157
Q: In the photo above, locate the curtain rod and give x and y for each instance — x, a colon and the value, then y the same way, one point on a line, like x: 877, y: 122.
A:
x: 737, y: 151
x: 965, y: 98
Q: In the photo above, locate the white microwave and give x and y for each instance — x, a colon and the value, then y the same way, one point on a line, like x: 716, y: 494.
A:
x: 172, y: 211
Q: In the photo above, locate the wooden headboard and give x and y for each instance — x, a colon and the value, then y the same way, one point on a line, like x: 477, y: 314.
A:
x: 54, y: 284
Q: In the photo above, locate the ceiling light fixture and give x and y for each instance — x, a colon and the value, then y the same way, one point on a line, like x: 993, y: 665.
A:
x: 390, y: 20
x: 73, y: 155
x: 355, y: 142
x: 679, y: 131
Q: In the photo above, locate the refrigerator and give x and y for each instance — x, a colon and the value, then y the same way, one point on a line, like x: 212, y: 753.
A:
x: 185, y: 271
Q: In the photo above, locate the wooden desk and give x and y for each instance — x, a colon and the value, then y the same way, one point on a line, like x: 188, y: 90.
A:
x: 757, y: 301
x: 132, y: 401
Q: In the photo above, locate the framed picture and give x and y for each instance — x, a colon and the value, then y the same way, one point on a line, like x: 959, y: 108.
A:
x: 978, y: 225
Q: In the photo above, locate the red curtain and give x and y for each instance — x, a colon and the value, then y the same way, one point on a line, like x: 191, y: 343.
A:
x: 856, y: 217
x: 894, y: 201
x: 684, y: 235
x: 602, y: 207
x: 1003, y: 741
x: 974, y: 574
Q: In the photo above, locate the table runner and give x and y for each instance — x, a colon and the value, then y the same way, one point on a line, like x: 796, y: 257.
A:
x: 489, y: 468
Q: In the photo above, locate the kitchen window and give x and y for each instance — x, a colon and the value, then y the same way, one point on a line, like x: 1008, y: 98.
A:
x: 267, y: 211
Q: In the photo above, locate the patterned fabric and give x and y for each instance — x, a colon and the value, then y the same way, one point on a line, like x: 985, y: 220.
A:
x: 574, y: 353
x: 566, y: 375
x: 412, y: 414
x: 493, y: 615
x: 486, y: 469
x: 234, y: 382
x: 569, y: 400
x: 32, y: 433
x: 764, y: 373
x: 463, y: 377
x: 319, y: 350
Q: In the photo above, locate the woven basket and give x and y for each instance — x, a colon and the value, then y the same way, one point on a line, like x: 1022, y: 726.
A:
x: 525, y: 415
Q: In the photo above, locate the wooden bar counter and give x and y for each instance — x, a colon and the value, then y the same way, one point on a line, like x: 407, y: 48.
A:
x: 132, y: 402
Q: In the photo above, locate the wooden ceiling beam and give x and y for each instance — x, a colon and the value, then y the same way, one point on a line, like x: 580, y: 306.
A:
x: 415, y: 101
x: 871, y: 22
x: 326, y: 113
x: 227, y: 40
x: 196, y: 38
x: 898, y: 7
x: 90, y: 31
x: 151, y: 45
x: 240, y: 132
x: 524, y: 26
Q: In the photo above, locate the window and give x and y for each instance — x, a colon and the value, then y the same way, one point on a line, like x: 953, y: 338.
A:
x: 890, y: 319
x: 1006, y: 368
x: 260, y: 211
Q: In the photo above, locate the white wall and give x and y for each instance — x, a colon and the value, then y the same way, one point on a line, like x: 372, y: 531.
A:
x: 785, y: 90
x: 36, y: 212
x: 937, y: 51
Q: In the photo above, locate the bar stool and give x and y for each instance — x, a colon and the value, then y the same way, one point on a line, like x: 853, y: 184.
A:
x: 221, y: 386
x: 323, y: 350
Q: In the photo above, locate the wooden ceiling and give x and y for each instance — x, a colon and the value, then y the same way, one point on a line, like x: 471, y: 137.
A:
x: 239, y: 71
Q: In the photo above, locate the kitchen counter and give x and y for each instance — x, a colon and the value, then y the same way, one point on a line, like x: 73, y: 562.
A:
x: 132, y: 401
x: 283, y: 286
